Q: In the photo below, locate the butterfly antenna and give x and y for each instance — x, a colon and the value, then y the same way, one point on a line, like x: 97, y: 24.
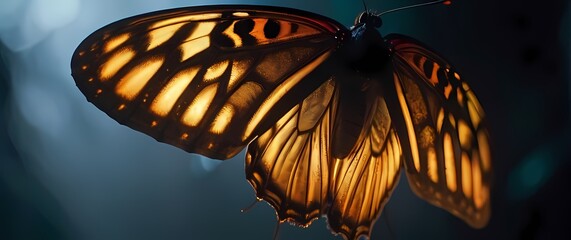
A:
x: 365, y: 5
x: 445, y: 2
x: 249, y: 207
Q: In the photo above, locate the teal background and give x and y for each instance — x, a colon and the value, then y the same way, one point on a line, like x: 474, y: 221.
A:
x: 67, y: 171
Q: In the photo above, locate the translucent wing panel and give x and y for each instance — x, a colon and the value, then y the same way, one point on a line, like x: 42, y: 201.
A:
x: 288, y: 166
x: 207, y: 80
x: 448, y: 156
x: 291, y: 166
x: 364, y: 180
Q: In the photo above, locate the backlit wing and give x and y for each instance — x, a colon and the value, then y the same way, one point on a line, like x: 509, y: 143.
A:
x: 205, y: 79
x: 292, y: 166
x: 288, y: 166
x: 364, y: 180
x: 445, y: 140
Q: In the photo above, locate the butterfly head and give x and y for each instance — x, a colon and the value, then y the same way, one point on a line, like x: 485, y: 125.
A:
x: 365, y: 29
x: 368, y: 18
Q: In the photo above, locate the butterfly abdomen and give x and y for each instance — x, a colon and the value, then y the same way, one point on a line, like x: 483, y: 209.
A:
x: 350, y: 117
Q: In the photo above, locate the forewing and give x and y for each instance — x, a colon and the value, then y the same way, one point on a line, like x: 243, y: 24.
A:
x: 447, y: 155
x: 204, y: 79
x: 288, y: 166
x: 363, y: 181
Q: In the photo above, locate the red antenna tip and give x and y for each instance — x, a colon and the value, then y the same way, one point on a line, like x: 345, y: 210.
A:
x: 447, y: 2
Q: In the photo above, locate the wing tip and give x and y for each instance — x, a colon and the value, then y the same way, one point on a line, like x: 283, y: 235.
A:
x: 475, y: 217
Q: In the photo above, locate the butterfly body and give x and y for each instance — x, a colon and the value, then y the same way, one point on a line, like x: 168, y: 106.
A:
x: 329, y: 114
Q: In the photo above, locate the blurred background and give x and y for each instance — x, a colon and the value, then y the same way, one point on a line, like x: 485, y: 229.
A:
x: 68, y: 171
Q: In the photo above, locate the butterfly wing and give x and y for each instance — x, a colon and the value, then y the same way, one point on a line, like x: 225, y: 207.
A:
x: 447, y: 155
x: 205, y: 79
x: 364, y: 180
x: 293, y: 165
x: 288, y: 166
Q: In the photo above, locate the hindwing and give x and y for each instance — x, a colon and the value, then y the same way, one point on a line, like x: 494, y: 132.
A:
x: 292, y: 165
x: 447, y: 153
x: 363, y: 182
x: 289, y: 165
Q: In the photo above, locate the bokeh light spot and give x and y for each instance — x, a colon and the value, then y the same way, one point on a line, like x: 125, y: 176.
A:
x: 532, y: 173
x: 53, y: 14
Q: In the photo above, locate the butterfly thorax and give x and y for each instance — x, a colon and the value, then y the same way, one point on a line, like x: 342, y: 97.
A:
x: 366, y: 50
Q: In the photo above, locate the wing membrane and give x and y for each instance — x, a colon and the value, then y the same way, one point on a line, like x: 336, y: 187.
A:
x: 448, y: 156
x: 292, y: 166
x: 288, y: 166
x: 202, y: 79
x: 364, y: 180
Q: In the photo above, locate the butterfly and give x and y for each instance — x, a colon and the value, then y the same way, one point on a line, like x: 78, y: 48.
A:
x: 329, y: 115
